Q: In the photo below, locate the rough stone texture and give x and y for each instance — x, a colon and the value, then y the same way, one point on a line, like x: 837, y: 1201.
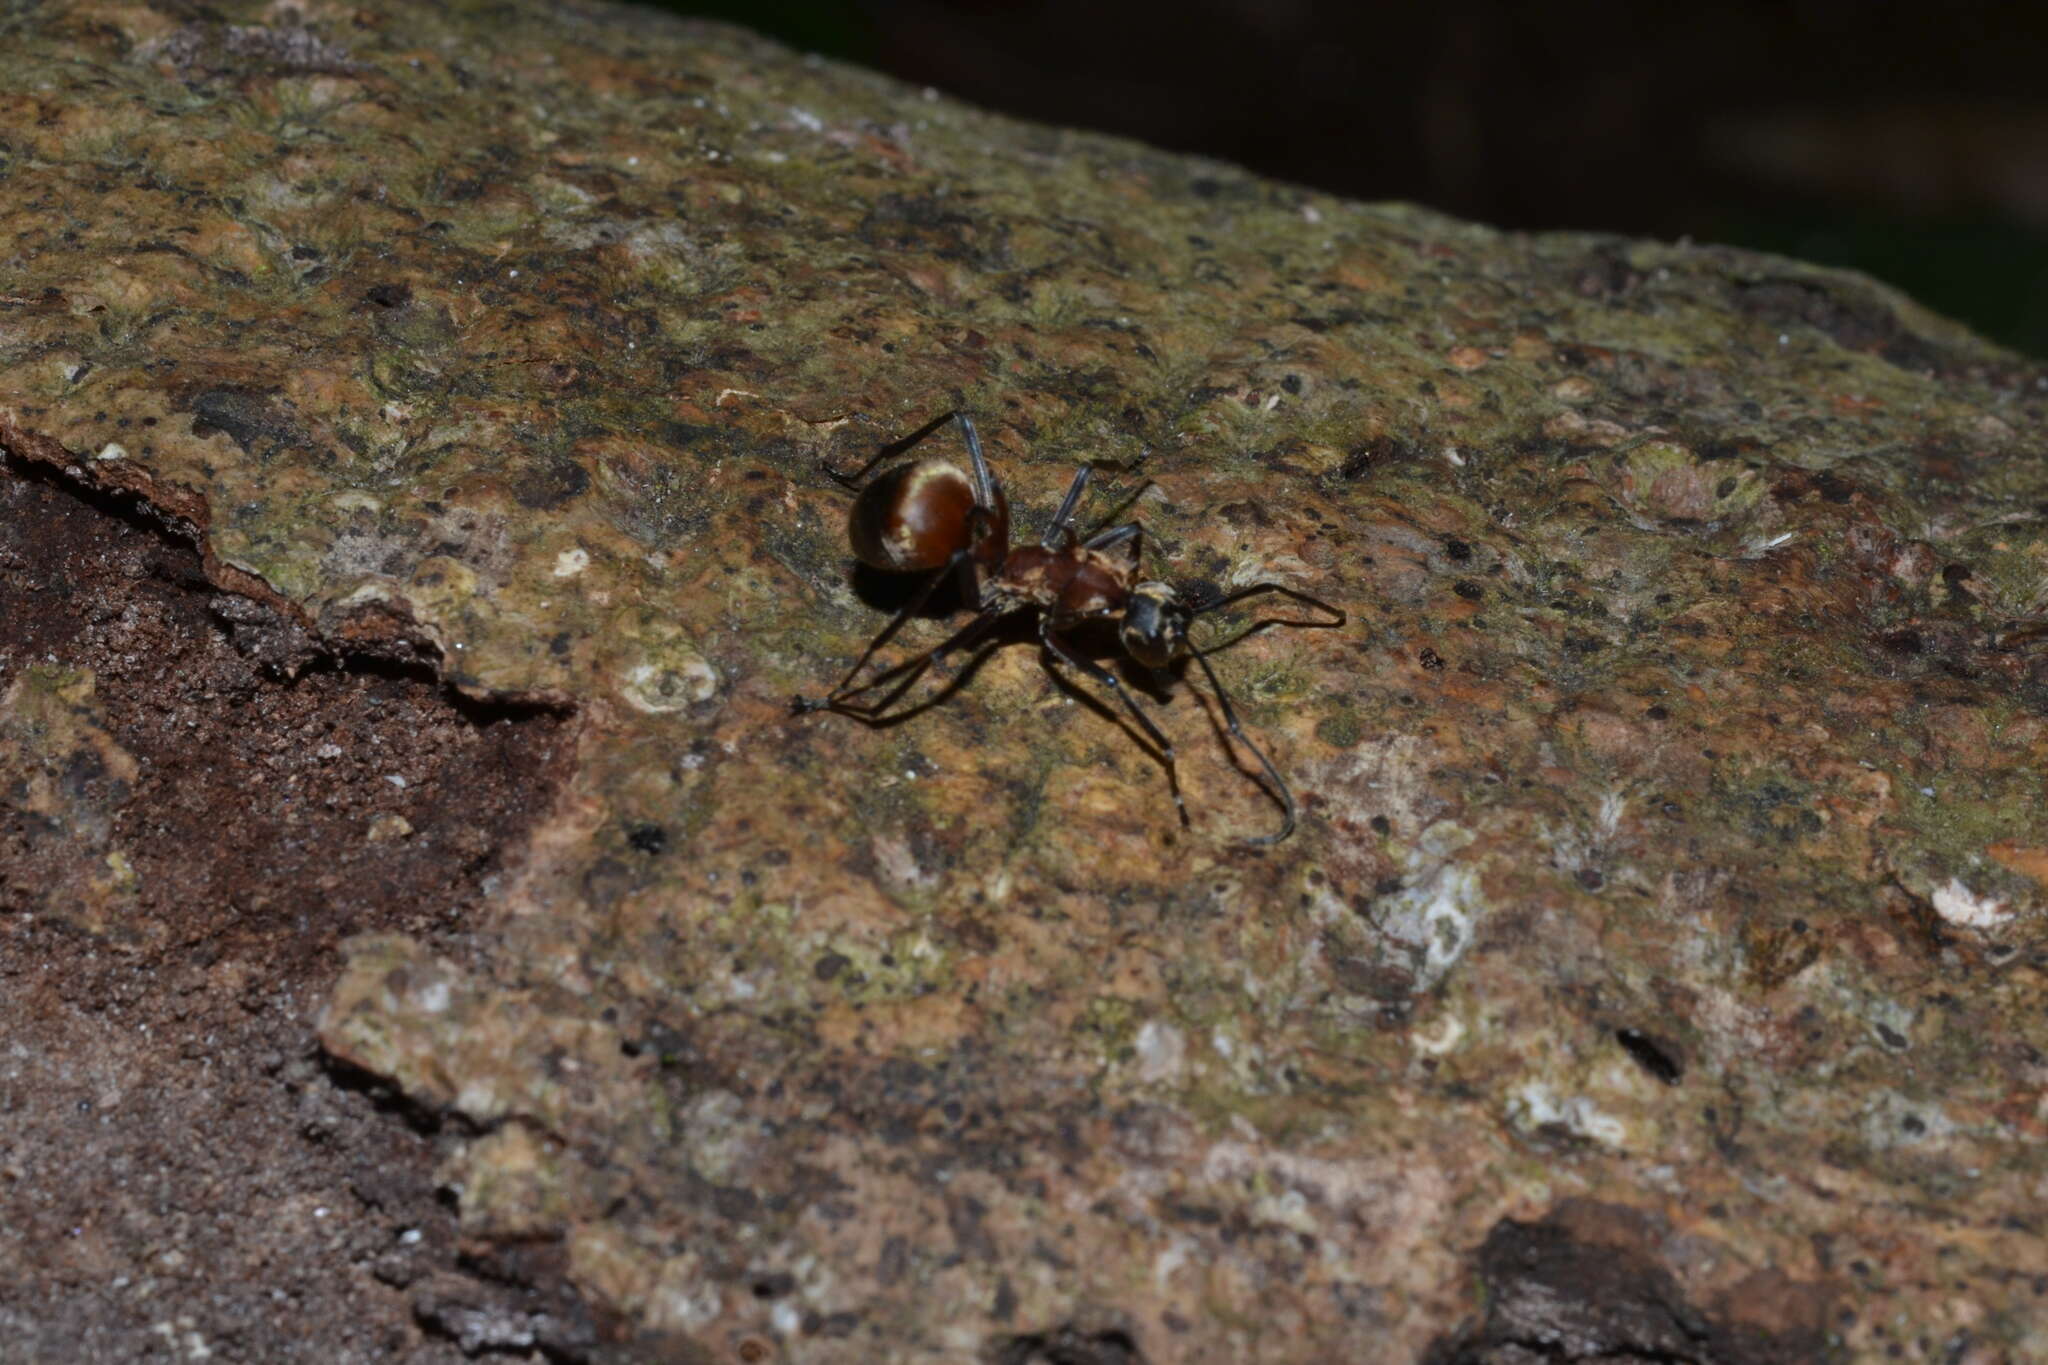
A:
x: 197, y: 805
x: 1653, y: 975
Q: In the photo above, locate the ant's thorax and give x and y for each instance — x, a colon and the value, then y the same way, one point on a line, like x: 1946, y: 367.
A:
x: 1070, y: 583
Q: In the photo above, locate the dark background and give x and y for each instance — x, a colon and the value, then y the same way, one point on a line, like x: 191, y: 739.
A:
x: 1908, y: 142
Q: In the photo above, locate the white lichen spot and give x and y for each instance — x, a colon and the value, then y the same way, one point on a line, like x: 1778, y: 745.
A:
x: 1162, y: 1052
x: 1957, y: 904
x: 898, y: 862
x: 806, y: 120
x: 434, y: 997
x: 1179, y: 1252
x: 1443, y: 1036
x: 477, y: 1099
x: 1436, y: 913
x: 1892, y: 1120
x: 720, y: 1137
x: 685, y: 1298
x: 571, y: 562
x: 1289, y: 1208
x: 194, y: 1346
x: 1891, y: 1022
x: 1758, y: 546
x: 1535, y: 1105
x: 365, y: 593
x: 1252, y: 570
x: 112, y: 450
x: 681, y: 679
x: 1612, y: 806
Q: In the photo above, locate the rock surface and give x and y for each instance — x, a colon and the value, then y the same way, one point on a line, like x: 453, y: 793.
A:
x: 1654, y: 972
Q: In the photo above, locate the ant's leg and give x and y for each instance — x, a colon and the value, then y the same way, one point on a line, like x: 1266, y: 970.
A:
x: 1237, y: 733
x: 1116, y: 536
x: 910, y: 609
x: 980, y: 523
x: 984, y: 481
x: 1107, y: 679
x: 1122, y: 506
x: 901, y: 677
x: 985, y: 491
x: 1062, y: 520
x: 1051, y: 539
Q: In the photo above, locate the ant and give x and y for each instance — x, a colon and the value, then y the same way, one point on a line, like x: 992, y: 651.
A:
x: 928, y: 517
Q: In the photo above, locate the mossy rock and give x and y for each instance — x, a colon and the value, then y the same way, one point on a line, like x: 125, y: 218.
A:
x: 1665, y: 925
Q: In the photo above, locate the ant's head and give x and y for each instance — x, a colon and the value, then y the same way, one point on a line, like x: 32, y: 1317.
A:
x: 1154, y: 629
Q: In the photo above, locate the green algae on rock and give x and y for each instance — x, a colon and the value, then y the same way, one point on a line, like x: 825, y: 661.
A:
x: 1696, y: 689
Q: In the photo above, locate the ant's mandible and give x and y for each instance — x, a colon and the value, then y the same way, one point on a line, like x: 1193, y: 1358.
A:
x: 928, y: 517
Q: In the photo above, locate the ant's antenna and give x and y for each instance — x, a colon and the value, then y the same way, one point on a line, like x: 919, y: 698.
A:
x: 1336, y: 614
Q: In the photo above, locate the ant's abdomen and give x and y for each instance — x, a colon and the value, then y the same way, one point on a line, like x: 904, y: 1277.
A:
x: 917, y: 516
x: 913, y: 517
